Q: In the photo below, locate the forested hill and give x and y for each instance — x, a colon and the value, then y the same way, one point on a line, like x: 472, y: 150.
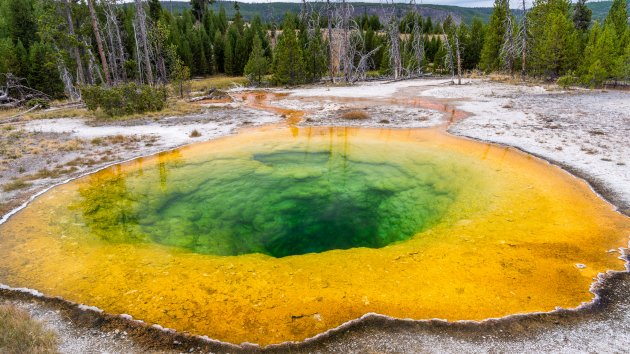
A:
x: 275, y: 10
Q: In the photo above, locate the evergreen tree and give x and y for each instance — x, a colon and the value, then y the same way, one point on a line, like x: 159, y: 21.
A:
x: 554, y: 41
x: 490, y: 54
x: 257, y: 65
x: 618, y: 17
x: 8, y: 59
x: 230, y: 62
x: 222, y: 21
x: 582, y: 16
x: 287, y: 59
x: 219, y: 53
x: 22, y: 56
x: 472, y: 52
x: 601, y: 60
x: 43, y: 74
x: 315, y: 57
x: 625, y: 63
x: 155, y: 11
x: 199, y: 8
x: 21, y: 22
x: 427, y: 28
x: 180, y: 76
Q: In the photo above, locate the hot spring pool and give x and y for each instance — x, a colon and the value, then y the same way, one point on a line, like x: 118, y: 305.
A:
x: 280, y: 233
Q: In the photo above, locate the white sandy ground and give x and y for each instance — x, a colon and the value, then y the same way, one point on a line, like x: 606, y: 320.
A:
x: 328, y: 112
x: 170, y: 132
x: 586, y: 131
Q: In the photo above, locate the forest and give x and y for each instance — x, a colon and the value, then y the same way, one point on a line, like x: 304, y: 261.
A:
x: 113, y: 54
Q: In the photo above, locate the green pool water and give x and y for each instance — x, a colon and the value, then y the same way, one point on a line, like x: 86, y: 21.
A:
x: 279, y: 200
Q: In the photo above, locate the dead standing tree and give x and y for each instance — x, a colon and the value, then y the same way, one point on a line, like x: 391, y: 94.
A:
x: 116, y: 51
x: 142, y: 41
x: 75, y: 48
x: 99, y: 41
x: 523, y: 35
x: 343, y: 16
x: 393, y: 34
x: 448, y: 60
x: 353, y: 60
x: 413, y: 47
x: 509, y: 49
x: 329, y: 14
x: 417, y: 45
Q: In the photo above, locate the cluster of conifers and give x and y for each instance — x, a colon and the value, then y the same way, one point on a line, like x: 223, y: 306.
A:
x: 60, y: 45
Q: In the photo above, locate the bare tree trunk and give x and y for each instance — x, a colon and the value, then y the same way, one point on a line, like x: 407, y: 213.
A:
x: 509, y: 50
x: 330, y: 44
x: 138, y: 55
x: 459, y: 60
x: 418, y: 41
x: 524, y: 42
x: 449, y: 56
x: 74, y: 49
x: 394, y: 45
x: 348, y: 60
x: 144, y: 41
x: 99, y: 42
x: 117, y: 51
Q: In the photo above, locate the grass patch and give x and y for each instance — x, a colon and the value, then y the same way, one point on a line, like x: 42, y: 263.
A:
x: 19, y: 333
x: 355, y: 115
x: 220, y: 82
x: 195, y: 134
x: 15, y: 185
x: 173, y: 108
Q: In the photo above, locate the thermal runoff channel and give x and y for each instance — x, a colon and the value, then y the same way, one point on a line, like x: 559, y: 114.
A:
x: 280, y: 233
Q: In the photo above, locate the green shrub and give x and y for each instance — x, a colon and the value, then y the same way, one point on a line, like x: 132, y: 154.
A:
x: 41, y: 102
x: 567, y: 80
x: 124, y: 99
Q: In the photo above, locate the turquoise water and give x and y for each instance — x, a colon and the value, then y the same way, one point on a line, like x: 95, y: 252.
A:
x: 280, y: 201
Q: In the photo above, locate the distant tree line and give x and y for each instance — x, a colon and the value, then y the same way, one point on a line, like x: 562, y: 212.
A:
x: 60, y: 46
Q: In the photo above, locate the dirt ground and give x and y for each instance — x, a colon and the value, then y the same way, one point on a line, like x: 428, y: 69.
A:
x: 586, y: 132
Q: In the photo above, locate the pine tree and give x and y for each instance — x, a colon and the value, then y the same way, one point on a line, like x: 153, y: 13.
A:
x: 219, y: 53
x: 257, y: 65
x: 199, y: 8
x: 625, y: 63
x: 180, y: 74
x: 601, y: 60
x: 490, y: 54
x: 43, y: 74
x: 21, y: 22
x: 554, y: 40
x: 155, y: 11
x: 222, y: 21
x: 287, y: 59
x: 315, y: 57
x: 23, y: 60
x: 230, y: 61
x: 582, y: 16
x: 472, y: 53
x: 618, y: 17
x: 8, y: 58
x: 241, y: 54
